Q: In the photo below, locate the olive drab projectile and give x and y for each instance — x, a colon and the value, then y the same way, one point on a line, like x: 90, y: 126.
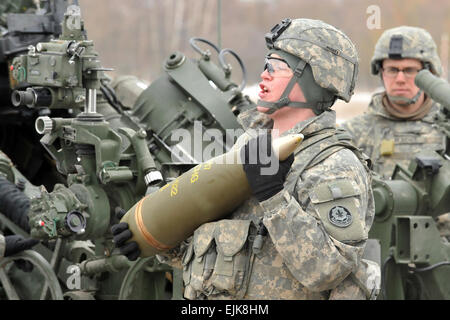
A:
x: 206, y: 193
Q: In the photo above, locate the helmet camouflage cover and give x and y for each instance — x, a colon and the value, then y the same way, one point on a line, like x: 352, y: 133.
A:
x: 406, y: 42
x: 330, y: 53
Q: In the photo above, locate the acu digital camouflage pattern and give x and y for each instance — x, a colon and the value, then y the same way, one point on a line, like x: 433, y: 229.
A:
x: 417, y: 44
x: 327, y: 50
x: 298, y: 259
x: 409, y: 137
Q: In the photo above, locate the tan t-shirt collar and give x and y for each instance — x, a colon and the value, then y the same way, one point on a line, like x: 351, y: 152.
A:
x: 417, y: 115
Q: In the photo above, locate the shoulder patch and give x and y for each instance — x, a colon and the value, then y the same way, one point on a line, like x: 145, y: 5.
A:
x: 340, y: 216
x: 338, y: 206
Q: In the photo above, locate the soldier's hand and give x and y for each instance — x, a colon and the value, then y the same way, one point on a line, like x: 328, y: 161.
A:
x: 255, y: 156
x: 121, y: 234
x: 17, y: 243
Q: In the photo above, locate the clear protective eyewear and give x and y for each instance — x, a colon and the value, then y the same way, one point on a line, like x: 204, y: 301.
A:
x: 273, y: 64
x: 392, y: 72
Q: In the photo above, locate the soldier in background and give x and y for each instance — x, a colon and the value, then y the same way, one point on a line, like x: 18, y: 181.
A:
x: 399, y: 122
x: 303, y: 232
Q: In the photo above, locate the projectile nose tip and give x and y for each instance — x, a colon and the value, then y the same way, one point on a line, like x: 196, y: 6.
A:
x: 295, y: 139
x: 299, y: 138
x: 286, y: 145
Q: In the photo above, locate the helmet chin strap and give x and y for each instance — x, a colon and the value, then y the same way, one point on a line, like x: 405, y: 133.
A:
x: 403, y: 101
x: 312, y: 92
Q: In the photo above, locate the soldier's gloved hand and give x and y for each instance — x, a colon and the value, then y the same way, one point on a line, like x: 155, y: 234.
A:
x: 17, y: 243
x: 255, y: 159
x: 121, y: 234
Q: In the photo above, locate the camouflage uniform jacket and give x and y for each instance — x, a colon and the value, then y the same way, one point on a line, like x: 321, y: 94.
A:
x: 304, y: 256
x: 376, y: 129
x: 2, y: 246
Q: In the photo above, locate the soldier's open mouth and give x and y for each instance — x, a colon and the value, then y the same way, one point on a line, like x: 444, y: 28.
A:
x: 264, y: 91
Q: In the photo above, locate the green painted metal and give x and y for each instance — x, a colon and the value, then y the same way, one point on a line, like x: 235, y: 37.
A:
x: 38, y: 263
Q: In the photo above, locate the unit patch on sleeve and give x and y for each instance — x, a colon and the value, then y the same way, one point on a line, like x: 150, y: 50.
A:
x: 340, y: 216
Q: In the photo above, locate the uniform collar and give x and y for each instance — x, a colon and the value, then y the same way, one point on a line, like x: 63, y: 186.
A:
x: 253, y: 119
x: 309, y: 127
x: 376, y: 108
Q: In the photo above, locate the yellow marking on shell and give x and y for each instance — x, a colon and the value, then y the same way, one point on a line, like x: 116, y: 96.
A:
x: 164, y: 187
x: 194, y: 177
x: 174, y: 188
x: 207, y: 166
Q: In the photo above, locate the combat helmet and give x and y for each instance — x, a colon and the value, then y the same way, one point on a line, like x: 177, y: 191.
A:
x: 406, y: 42
x: 323, y: 58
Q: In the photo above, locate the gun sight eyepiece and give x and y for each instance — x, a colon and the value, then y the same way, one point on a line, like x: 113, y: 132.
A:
x: 21, y: 98
x: 32, y: 97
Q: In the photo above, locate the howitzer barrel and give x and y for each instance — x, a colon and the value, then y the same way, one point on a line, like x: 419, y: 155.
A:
x: 205, y: 193
x: 438, y: 89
